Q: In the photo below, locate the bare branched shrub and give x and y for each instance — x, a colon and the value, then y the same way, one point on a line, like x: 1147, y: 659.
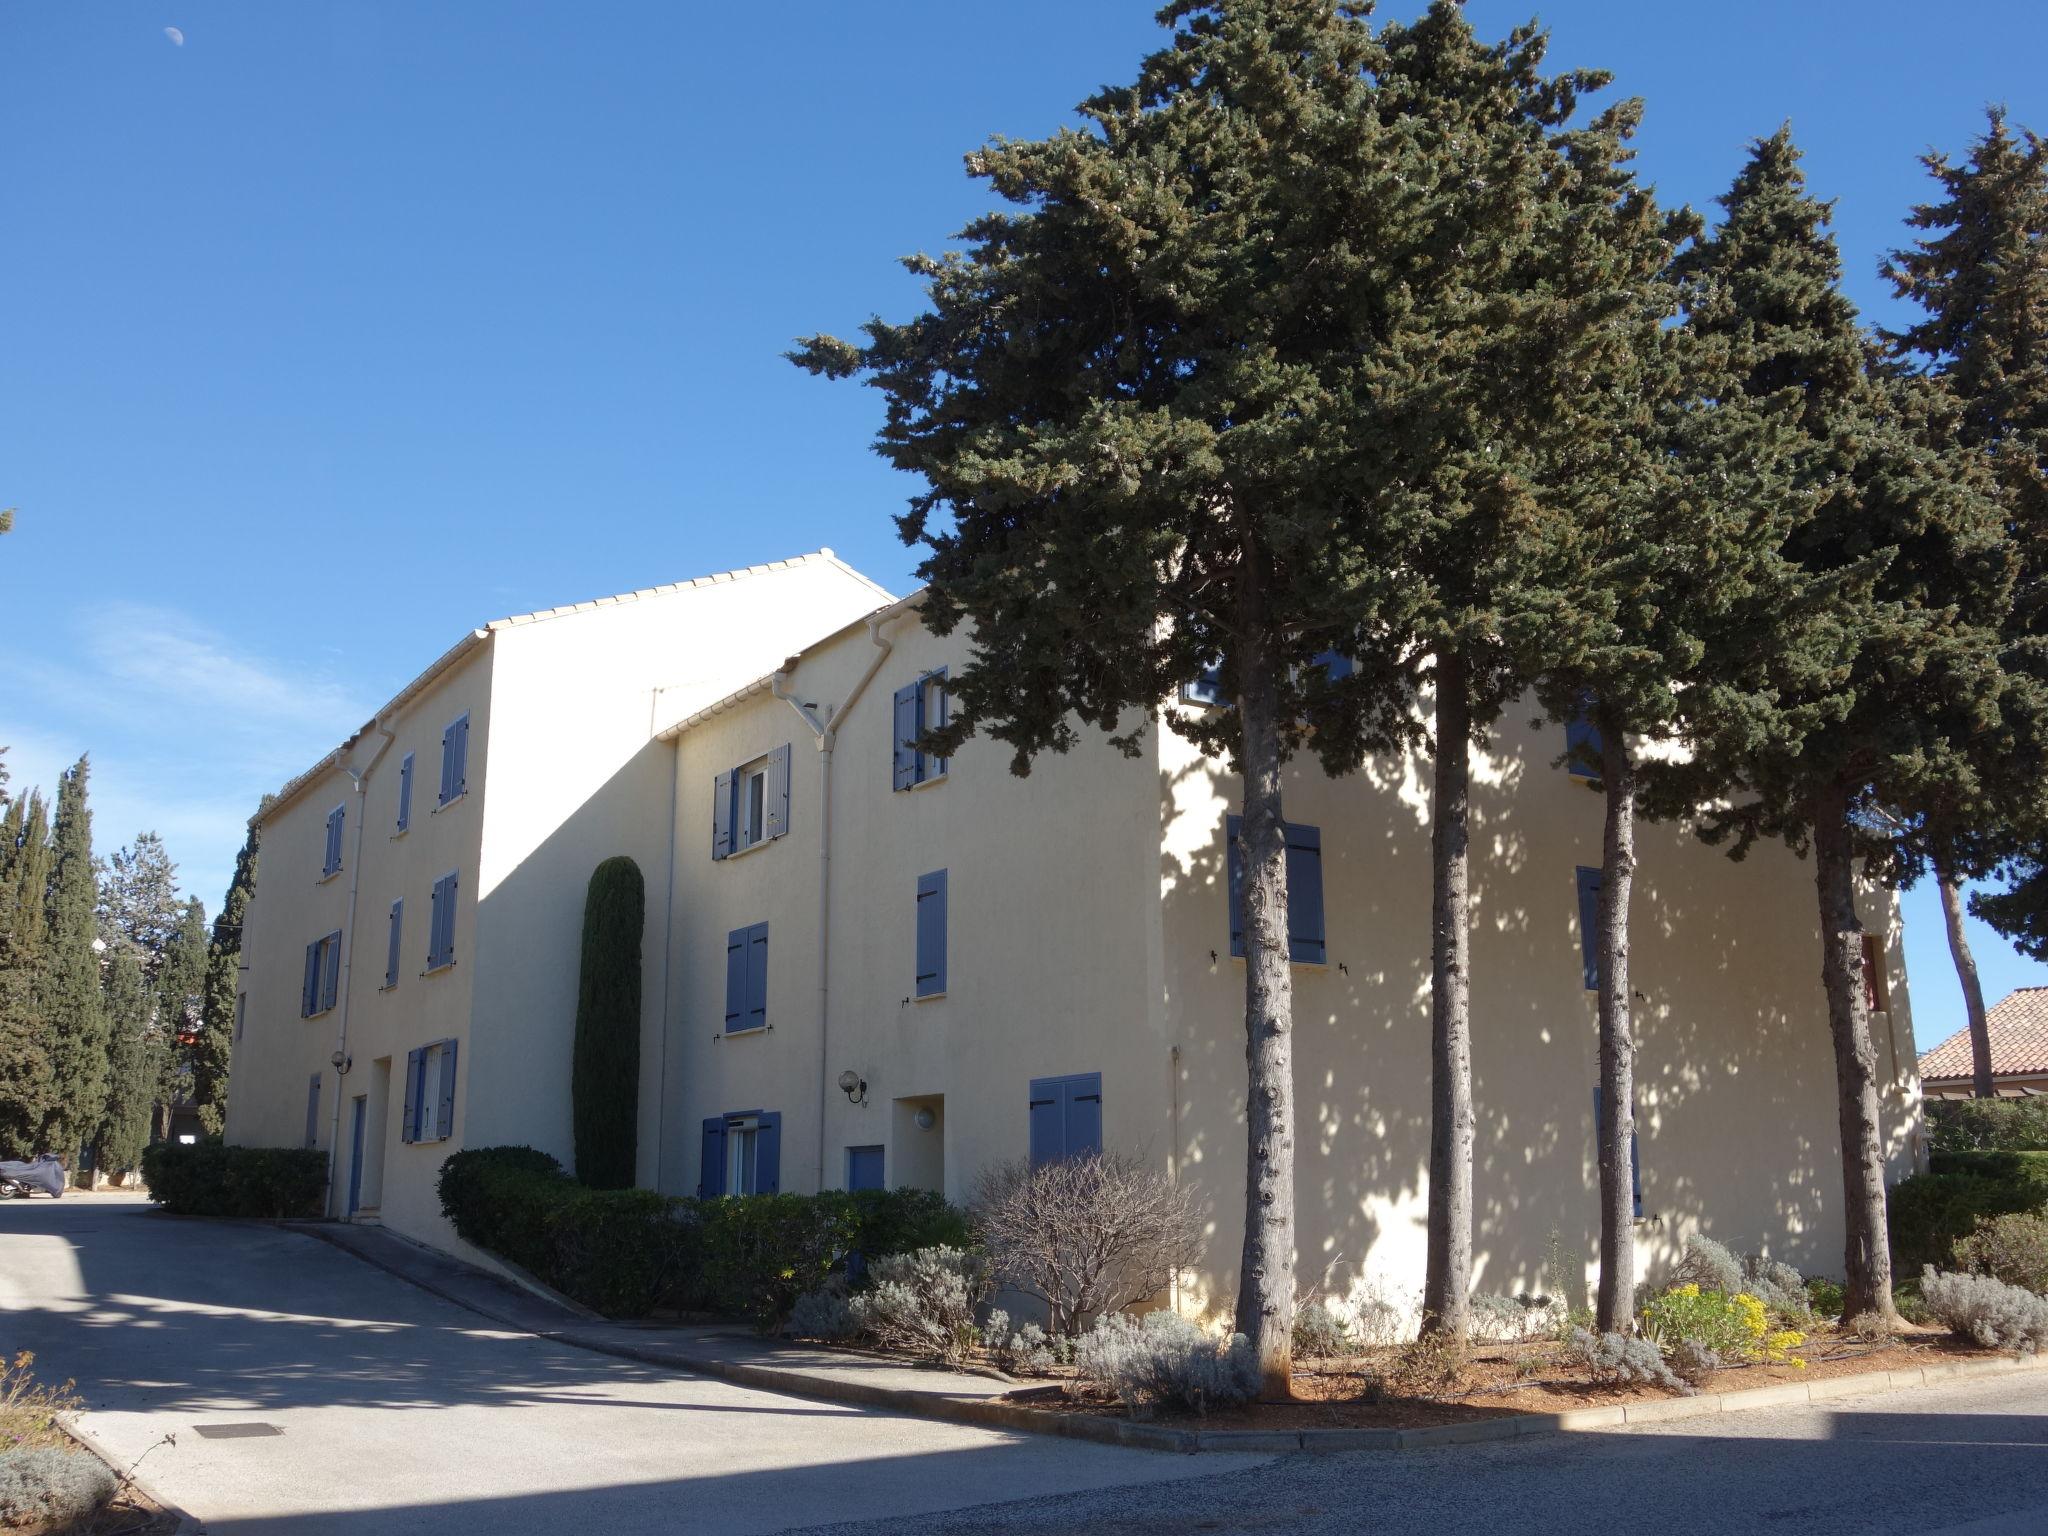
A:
x: 1086, y: 1235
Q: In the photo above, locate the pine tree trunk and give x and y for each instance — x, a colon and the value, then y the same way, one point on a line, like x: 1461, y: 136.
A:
x: 1265, y: 1292
x: 1616, y: 1305
x: 1447, y: 1283
x: 1973, y: 989
x: 1866, y: 1263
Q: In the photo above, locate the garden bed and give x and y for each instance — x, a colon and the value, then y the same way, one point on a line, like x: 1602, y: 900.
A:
x: 1362, y: 1391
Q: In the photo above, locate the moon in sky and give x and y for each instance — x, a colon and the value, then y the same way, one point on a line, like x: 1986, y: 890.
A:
x: 177, y: 38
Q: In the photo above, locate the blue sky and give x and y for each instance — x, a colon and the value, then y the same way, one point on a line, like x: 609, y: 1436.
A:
x: 337, y: 329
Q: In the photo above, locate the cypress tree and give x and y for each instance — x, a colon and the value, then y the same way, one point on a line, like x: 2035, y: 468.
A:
x: 1869, y: 686
x: 212, y: 1055
x: 27, y: 1087
x: 1980, y: 277
x: 178, y: 990
x: 132, y: 1071
x: 69, y: 1001
x: 605, y: 1091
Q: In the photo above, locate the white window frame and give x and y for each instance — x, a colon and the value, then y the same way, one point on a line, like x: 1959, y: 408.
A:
x: 427, y: 1111
x: 742, y: 1154
x: 750, y: 811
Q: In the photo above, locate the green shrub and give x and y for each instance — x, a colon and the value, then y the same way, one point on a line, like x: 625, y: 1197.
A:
x: 210, y: 1178
x: 503, y: 1199
x: 1931, y: 1211
x: 1988, y: 1125
x: 761, y: 1252
x: 2011, y: 1248
x: 1825, y: 1296
x: 624, y: 1252
x: 1710, y: 1318
x: 605, y: 1081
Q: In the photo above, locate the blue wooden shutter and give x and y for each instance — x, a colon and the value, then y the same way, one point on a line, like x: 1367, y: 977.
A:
x: 1306, y: 943
x: 1234, y: 858
x: 1635, y: 1162
x: 721, y: 816
x: 412, y: 1097
x: 1589, y: 925
x: 405, y: 792
x: 444, y: 1115
x: 906, y: 713
x: 447, y: 765
x: 313, y: 1111
x: 1207, y: 688
x: 931, y: 933
x: 776, y: 791
x: 757, y: 976
x: 309, y: 989
x: 864, y: 1168
x: 1083, y: 1096
x: 1582, y: 741
x: 330, y: 970
x: 1336, y: 665
x: 711, y: 1173
x: 392, y: 954
x: 1048, y: 1121
x: 332, y: 861
x: 735, y: 979
x: 460, y: 731
x: 768, y: 1154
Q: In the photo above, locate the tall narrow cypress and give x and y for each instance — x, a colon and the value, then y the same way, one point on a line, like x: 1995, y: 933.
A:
x: 212, y: 1056
x: 605, y: 1085
x: 69, y: 1002
x: 27, y: 1084
x: 132, y: 1070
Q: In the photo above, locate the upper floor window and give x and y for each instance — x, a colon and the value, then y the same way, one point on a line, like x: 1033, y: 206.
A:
x: 1207, y: 688
x: 920, y: 706
x: 750, y: 804
x: 746, y: 978
x: 931, y: 934
x: 323, y: 975
x: 404, y: 792
x: 331, y: 864
x: 1582, y: 741
x: 1306, y: 941
x: 394, y: 944
x: 1876, y: 994
x: 441, y: 923
x: 455, y: 759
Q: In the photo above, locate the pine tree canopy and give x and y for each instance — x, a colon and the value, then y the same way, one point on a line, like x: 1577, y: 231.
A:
x: 138, y: 901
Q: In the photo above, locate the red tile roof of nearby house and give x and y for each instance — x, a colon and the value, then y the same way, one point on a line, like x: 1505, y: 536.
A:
x: 2019, y: 1040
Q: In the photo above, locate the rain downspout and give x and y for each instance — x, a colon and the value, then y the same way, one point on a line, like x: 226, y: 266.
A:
x: 340, y: 1062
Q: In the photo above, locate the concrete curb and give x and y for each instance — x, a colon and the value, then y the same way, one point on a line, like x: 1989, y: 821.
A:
x: 188, y: 1524
x: 995, y: 1414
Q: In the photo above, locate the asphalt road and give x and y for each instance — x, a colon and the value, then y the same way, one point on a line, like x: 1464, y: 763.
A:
x: 403, y: 1412
x: 399, y: 1413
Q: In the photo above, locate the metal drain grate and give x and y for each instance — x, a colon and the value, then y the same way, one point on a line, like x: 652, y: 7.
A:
x: 234, y: 1431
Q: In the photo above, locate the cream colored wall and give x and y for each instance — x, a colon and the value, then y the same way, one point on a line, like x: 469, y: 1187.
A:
x: 1735, y: 1109
x: 293, y: 906
x: 1085, y: 902
x: 579, y: 777
x: 1052, y: 962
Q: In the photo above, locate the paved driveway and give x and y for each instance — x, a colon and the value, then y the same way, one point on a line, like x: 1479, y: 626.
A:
x: 400, y: 1413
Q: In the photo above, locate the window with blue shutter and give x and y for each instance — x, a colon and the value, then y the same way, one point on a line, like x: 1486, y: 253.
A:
x: 1589, y: 926
x: 864, y: 1168
x: 711, y: 1171
x: 455, y: 759
x: 931, y: 934
x: 1635, y: 1163
x: 1582, y: 741
x: 746, y: 978
x: 313, y: 1111
x: 1066, y: 1117
x: 742, y: 1155
x: 721, y: 816
x: 750, y: 804
x: 331, y: 864
x: 394, y: 948
x: 1307, y: 941
x: 1336, y: 665
x: 405, y: 792
x: 776, y: 792
x: 309, y: 986
x: 441, y: 923
x: 430, y: 1093
x: 919, y: 707
x: 409, y: 1132
x: 323, y: 975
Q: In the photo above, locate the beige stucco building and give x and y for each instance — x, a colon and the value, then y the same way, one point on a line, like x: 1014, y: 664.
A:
x: 995, y: 967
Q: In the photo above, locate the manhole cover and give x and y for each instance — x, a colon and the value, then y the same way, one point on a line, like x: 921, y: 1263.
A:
x: 235, y: 1431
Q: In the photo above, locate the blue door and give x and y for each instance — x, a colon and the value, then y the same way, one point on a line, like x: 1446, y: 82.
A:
x: 355, y: 1153
x: 863, y: 1167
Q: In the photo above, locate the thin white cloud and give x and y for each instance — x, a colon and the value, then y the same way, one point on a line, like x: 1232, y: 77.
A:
x: 157, y: 658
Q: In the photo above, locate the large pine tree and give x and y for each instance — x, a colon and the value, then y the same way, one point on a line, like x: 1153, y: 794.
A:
x: 138, y: 904
x: 1979, y: 274
x: 1872, y: 683
x: 27, y: 1085
x: 213, y: 1053
x: 69, y: 1002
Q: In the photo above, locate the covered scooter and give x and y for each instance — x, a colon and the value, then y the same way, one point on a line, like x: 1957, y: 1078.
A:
x: 46, y: 1173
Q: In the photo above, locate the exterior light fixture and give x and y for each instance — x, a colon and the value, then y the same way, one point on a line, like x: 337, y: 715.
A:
x: 341, y: 1062
x: 854, y: 1086
x: 925, y: 1119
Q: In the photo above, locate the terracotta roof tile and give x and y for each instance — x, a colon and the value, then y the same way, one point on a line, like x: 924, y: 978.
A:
x: 2019, y: 1040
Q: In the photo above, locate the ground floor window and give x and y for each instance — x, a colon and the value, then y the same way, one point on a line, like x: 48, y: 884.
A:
x: 742, y: 1154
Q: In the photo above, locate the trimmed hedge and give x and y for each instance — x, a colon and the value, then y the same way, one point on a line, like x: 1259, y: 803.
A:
x: 625, y: 1252
x: 1930, y: 1211
x: 1988, y: 1125
x: 210, y: 1178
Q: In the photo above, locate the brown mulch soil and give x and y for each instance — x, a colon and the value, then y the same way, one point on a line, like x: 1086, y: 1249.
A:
x: 1496, y: 1380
